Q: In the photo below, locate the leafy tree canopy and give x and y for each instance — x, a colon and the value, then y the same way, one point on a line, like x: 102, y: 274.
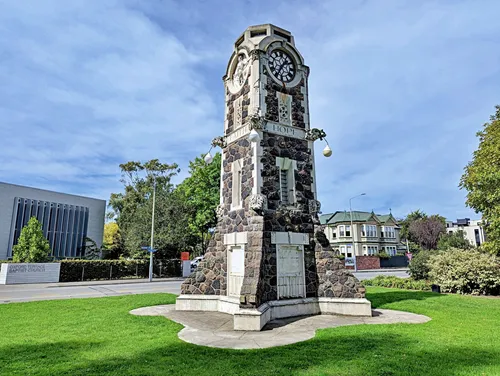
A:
x: 456, y: 239
x: 31, y: 246
x: 201, y: 192
x: 481, y: 179
x: 132, y: 209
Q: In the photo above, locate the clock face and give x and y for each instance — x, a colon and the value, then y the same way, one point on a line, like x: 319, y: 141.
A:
x: 281, y: 66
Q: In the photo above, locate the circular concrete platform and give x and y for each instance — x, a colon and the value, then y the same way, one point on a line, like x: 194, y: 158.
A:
x: 215, y: 329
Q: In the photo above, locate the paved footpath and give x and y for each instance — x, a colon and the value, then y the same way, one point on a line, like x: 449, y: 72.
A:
x: 92, y: 289
x: 215, y: 329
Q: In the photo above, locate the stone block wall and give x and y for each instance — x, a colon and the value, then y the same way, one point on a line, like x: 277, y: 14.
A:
x: 334, y: 280
x: 325, y: 275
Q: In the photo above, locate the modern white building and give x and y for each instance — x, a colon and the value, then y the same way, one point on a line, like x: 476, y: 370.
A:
x: 473, y: 230
x: 66, y: 219
x: 368, y: 234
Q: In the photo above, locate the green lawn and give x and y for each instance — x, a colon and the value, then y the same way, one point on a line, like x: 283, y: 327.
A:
x: 100, y: 337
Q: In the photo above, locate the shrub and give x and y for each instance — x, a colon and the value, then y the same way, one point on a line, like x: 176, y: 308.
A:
x: 88, y: 270
x: 454, y: 240
x: 465, y: 272
x: 418, y: 267
x: 383, y: 255
x: 31, y: 246
x: 396, y: 282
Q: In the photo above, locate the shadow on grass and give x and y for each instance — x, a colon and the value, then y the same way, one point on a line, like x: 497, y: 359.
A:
x: 369, y: 353
x: 378, y: 299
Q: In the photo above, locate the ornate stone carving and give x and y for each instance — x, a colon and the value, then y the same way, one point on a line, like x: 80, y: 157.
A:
x: 258, y: 203
x: 256, y: 54
x: 314, y: 206
x: 257, y: 122
x: 219, y: 211
x: 219, y: 141
x: 241, y: 71
x: 314, y: 134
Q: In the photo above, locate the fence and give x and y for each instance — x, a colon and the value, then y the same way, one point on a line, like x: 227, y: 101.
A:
x: 91, y: 270
x: 394, y: 262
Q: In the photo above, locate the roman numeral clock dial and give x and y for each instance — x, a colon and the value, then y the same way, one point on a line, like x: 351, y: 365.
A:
x: 281, y: 66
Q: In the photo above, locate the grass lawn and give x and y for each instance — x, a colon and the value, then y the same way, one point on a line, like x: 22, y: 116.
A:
x: 99, y: 337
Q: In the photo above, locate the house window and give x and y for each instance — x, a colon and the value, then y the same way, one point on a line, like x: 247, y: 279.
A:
x: 388, y: 232
x: 372, y: 250
x: 348, y: 251
x: 287, y: 179
x: 390, y: 250
x: 334, y: 234
x: 477, y: 237
x: 344, y: 230
x: 369, y: 231
x: 236, y: 188
x: 342, y: 250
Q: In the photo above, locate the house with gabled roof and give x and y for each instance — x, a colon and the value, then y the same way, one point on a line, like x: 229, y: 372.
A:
x: 367, y: 234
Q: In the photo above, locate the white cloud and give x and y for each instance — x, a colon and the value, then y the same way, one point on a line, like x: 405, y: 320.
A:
x: 400, y: 87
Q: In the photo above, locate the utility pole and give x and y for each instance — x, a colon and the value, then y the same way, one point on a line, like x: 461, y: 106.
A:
x: 152, y: 232
x: 352, y: 232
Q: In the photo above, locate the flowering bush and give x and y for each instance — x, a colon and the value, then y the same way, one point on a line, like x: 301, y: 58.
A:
x: 465, y: 272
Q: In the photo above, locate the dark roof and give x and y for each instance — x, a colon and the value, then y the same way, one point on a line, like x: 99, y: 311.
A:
x: 357, y: 216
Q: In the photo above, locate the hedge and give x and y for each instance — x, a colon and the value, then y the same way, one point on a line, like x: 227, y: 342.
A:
x: 90, y: 270
x: 396, y: 282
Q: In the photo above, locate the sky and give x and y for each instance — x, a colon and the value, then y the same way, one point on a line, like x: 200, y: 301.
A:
x: 400, y: 87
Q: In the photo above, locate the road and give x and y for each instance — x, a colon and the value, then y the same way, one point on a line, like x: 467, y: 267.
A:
x: 369, y: 274
x: 52, y: 291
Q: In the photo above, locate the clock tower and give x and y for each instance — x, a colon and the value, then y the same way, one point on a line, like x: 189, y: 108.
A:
x: 269, y: 257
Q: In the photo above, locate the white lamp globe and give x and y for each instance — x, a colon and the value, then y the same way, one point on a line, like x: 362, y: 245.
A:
x: 253, y: 136
x: 208, y: 158
x: 327, y: 152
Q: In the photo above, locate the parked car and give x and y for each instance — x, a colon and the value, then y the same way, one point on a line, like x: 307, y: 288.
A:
x: 195, y: 262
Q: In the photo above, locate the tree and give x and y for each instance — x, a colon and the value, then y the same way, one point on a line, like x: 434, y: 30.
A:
x: 410, y: 218
x: 31, y: 246
x: 112, y: 246
x: 427, y: 231
x: 481, y: 179
x: 456, y: 239
x: 201, y: 192
x: 132, y: 209
x: 91, y: 250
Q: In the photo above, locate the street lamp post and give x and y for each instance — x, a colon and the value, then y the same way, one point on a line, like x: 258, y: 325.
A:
x: 352, y: 231
x: 152, y: 232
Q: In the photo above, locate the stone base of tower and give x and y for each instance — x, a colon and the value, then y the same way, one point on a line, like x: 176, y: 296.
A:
x: 254, y: 319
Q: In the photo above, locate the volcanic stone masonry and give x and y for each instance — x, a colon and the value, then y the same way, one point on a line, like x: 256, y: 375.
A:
x: 263, y: 214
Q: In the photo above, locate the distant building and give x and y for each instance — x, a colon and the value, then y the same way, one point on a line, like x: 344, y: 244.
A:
x: 473, y: 230
x: 66, y: 219
x: 371, y: 233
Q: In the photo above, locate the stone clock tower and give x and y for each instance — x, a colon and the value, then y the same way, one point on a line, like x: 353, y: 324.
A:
x: 268, y: 257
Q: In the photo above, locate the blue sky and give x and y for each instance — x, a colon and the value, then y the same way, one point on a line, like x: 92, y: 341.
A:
x: 400, y: 87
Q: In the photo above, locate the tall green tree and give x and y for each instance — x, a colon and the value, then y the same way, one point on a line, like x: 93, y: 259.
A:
x: 31, y: 246
x: 481, y: 179
x: 132, y: 209
x: 201, y: 192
